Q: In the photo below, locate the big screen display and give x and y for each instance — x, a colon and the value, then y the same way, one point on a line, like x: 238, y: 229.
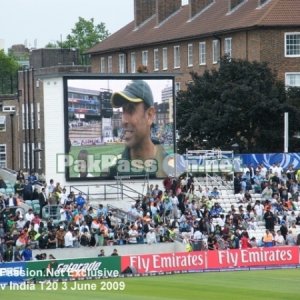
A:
x: 118, y: 126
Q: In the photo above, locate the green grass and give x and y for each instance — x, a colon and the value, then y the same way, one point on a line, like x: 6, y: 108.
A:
x: 241, y: 285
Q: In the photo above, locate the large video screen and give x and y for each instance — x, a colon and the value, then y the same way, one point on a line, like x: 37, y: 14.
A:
x: 118, y: 126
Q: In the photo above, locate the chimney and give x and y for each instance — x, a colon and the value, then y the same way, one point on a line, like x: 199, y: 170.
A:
x: 165, y: 8
x: 233, y: 4
x: 143, y: 10
x: 197, y: 6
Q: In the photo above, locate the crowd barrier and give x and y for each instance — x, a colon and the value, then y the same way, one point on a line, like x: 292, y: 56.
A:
x: 115, y: 266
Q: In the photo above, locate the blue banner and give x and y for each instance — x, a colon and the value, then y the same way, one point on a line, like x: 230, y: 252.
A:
x: 12, y: 272
x: 267, y: 159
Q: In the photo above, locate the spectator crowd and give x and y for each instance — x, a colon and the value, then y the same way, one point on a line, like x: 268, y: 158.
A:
x: 181, y: 209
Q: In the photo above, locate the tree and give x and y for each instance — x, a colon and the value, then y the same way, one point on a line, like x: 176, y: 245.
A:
x: 84, y: 35
x: 241, y: 103
x: 8, y: 74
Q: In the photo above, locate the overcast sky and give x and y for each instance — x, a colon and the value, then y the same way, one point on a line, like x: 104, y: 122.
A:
x: 37, y: 22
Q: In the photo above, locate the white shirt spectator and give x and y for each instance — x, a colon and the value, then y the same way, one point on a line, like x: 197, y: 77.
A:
x: 69, y: 239
x: 63, y: 198
x: 220, y: 221
x: 151, y: 237
x: 279, y: 240
x: 29, y: 215
x: 197, y: 236
x: 259, y: 210
x: 20, y: 224
x: 132, y: 236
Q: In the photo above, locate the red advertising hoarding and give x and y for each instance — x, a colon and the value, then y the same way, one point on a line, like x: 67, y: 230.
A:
x: 253, y: 257
x: 202, y: 260
x: 165, y: 262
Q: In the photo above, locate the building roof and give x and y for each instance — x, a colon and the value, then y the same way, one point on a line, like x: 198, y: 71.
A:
x: 212, y: 20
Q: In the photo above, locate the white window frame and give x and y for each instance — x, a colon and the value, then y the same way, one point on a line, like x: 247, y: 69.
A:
x: 121, y: 63
x: 176, y: 57
x: 3, y: 129
x: 25, y: 150
x: 216, y: 51
x: 102, y: 65
x: 228, y: 47
x: 38, y: 116
x: 156, y: 60
x: 32, y: 115
x: 23, y: 117
x: 132, y: 62
x: 202, y: 53
x: 190, y: 55
x: 177, y: 87
x: 286, y: 35
x: 109, y: 64
x: 287, y: 75
x: 3, y: 162
x: 145, y: 58
x: 165, y: 58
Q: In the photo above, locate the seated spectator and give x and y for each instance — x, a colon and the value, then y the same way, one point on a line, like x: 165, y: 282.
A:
x: 216, y: 210
x: 85, y: 237
x: 290, y: 239
x: 27, y: 253
x: 80, y: 201
x: 115, y: 253
x: 268, y: 239
x: 151, y: 237
x: 267, y: 192
x: 215, y: 193
x: 43, y: 240
x: 279, y: 239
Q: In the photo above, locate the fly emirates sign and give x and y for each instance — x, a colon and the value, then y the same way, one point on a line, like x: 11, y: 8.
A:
x: 253, y: 257
x: 165, y: 262
x: 201, y: 260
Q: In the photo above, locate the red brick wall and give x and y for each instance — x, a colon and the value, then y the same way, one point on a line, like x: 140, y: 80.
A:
x: 197, y: 5
x: 143, y: 10
x: 255, y: 45
x: 165, y: 8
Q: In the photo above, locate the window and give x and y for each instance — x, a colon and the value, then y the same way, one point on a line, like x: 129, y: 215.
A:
x: 32, y: 115
x: 176, y: 57
x: 190, y: 55
x: 38, y: 115
x: 24, y: 156
x: 292, y: 79
x: 228, y: 47
x: 102, y: 65
x: 202, y: 53
x: 2, y: 123
x: 109, y: 64
x: 37, y: 157
x: 2, y: 156
x: 132, y: 62
x: 145, y: 58
x: 216, y: 51
x: 165, y: 58
x: 121, y: 63
x: 292, y: 44
x: 156, y: 60
x: 25, y: 125
x: 177, y: 87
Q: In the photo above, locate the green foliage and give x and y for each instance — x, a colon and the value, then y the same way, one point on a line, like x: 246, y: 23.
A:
x: 241, y: 103
x: 8, y: 74
x: 83, y: 36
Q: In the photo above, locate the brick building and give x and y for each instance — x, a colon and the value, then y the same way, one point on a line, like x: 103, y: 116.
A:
x: 22, y: 139
x: 168, y: 37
